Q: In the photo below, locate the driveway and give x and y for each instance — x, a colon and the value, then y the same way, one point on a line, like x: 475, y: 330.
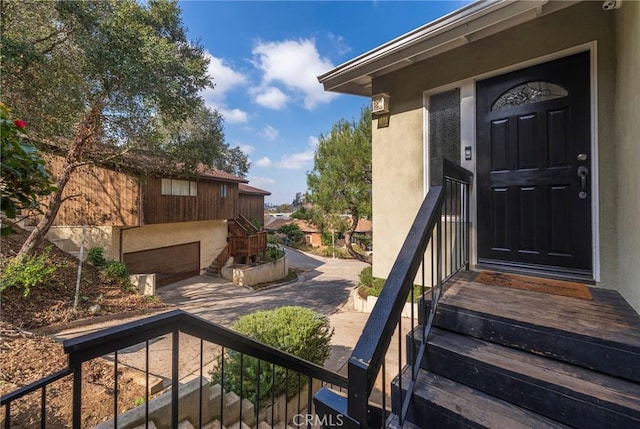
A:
x: 324, y: 285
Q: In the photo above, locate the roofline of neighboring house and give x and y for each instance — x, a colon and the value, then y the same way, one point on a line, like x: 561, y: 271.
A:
x: 463, y: 26
x: 250, y: 190
x: 131, y: 164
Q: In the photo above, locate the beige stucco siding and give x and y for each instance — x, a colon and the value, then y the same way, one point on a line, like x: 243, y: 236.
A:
x: 397, y: 193
x: 212, y: 236
x: 627, y: 143
x: 397, y: 185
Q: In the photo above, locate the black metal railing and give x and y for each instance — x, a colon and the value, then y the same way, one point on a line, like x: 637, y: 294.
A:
x: 437, y: 245
x: 278, y: 386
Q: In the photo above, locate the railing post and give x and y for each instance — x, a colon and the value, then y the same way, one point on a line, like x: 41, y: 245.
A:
x: 467, y: 188
x: 77, y: 397
x: 358, y: 397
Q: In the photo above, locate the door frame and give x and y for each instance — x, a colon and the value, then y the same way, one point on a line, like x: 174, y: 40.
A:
x: 468, y: 138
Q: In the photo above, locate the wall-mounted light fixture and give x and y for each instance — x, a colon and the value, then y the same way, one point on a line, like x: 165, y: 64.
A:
x: 380, y: 103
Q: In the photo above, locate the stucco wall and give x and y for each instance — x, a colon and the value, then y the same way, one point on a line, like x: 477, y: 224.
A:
x: 212, y: 236
x: 398, y: 150
x: 68, y: 238
x: 627, y: 143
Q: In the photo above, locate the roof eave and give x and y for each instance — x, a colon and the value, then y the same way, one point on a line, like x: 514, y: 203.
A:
x: 465, y: 25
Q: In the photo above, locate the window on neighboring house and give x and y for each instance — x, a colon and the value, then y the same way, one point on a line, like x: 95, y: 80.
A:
x: 177, y: 187
x: 223, y: 190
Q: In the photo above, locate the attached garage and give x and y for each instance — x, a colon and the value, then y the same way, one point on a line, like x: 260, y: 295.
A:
x: 170, y: 264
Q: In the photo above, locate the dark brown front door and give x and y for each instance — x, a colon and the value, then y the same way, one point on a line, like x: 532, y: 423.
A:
x: 533, y: 168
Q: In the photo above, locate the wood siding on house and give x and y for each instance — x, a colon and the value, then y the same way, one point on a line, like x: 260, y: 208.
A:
x: 96, y: 196
x: 252, y: 207
x: 207, y: 205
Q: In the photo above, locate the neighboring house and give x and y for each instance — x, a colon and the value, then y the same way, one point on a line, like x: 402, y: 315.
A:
x: 252, y: 203
x: 312, y: 236
x: 172, y: 226
x: 539, y: 101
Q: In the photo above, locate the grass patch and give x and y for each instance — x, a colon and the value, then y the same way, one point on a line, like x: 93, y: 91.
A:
x: 291, y: 276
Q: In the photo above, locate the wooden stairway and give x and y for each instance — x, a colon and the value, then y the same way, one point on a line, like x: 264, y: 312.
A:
x: 505, y: 358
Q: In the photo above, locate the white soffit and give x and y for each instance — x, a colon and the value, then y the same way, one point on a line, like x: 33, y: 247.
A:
x: 468, y: 24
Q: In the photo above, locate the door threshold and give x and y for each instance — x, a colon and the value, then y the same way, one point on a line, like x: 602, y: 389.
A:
x: 548, y: 273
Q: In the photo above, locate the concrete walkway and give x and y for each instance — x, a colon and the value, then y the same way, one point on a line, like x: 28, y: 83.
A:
x: 324, y: 285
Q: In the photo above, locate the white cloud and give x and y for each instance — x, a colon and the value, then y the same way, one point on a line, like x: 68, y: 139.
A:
x: 340, y: 44
x: 314, y: 142
x: 225, y: 79
x: 264, y: 162
x: 270, y: 133
x: 259, y: 182
x: 296, y: 161
x: 246, y: 148
x: 271, y: 98
x: 232, y: 116
x: 294, y: 63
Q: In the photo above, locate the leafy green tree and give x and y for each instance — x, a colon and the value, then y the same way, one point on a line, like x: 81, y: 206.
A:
x: 340, y: 182
x: 24, y: 178
x: 89, y: 75
x: 200, y: 139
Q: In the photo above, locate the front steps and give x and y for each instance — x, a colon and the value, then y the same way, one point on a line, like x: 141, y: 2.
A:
x: 500, y: 369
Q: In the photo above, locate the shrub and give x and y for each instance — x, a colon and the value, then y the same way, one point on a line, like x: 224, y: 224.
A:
x: 27, y: 272
x: 115, y: 271
x: 295, y: 330
x: 372, y: 286
x: 273, y: 252
x: 96, y: 257
x: 292, y: 231
x: 328, y: 252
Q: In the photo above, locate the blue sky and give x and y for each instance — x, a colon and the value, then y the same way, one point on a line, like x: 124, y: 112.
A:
x: 265, y: 57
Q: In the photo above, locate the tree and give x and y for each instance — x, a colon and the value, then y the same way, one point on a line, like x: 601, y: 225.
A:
x: 200, y: 139
x: 340, y: 182
x: 97, y: 74
x: 24, y: 178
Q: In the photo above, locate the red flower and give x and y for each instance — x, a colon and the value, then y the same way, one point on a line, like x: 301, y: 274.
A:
x: 20, y: 123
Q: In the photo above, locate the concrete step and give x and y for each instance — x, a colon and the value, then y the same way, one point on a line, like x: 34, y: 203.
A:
x: 185, y: 424
x: 151, y: 425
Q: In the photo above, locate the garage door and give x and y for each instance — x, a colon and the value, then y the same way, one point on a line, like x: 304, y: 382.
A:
x: 170, y: 264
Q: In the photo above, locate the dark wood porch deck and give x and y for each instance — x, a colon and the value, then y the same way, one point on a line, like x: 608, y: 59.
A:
x: 608, y: 316
x: 601, y: 334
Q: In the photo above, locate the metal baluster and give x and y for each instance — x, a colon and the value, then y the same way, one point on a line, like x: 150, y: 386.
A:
x: 115, y: 391
x: 273, y: 392
x: 459, y: 224
x: 309, y: 400
x: 384, y: 389
x: 200, y: 392
x: 222, y: 392
x: 299, y: 392
x: 400, y: 360
x: 7, y: 416
x: 43, y: 407
x: 146, y: 385
x: 77, y: 397
x: 174, y: 378
x: 258, y: 374
x: 286, y: 396
x: 241, y: 378
x: 468, y: 227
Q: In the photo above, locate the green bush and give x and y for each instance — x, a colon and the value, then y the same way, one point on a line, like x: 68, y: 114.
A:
x: 295, y: 330
x: 115, y: 271
x: 372, y: 286
x: 27, y: 272
x: 96, y: 257
x: 273, y: 252
x: 292, y: 231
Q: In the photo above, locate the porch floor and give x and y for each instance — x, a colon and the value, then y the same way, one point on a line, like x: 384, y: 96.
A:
x: 608, y: 316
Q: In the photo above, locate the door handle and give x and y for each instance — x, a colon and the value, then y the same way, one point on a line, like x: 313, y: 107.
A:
x: 583, y: 172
